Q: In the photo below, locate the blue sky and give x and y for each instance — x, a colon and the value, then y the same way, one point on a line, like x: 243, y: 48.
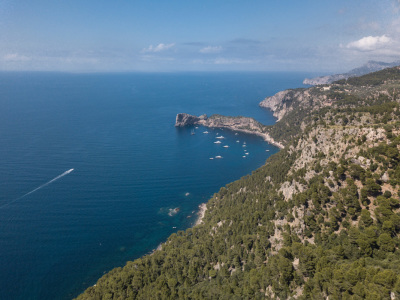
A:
x: 220, y: 35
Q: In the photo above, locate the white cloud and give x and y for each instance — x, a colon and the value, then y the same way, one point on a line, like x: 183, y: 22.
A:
x: 15, y: 57
x: 211, y: 49
x: 160, y: 47
x: 370, y: 43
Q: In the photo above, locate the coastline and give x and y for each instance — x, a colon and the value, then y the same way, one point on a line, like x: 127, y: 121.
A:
x: 202, y: 120
x: 237, y: 124
x: 201, y: 213
x: 265, y: 136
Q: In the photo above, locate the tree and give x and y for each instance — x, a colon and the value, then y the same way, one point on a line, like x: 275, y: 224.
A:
x: 385, y: 242
x: 365, y: 218
x: 373, y: 188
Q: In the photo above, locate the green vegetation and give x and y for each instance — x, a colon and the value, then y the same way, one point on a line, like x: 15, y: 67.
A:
x: 376, y: 78
x: 321, y: 218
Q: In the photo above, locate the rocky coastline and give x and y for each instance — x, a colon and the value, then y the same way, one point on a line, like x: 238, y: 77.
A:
x: 201, y: 213
x: 238, y: 124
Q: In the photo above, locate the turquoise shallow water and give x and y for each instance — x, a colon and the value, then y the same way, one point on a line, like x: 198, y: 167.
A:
x: 131, y: 167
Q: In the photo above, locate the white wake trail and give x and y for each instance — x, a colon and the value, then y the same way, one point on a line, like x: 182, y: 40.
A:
x: 38, y: 188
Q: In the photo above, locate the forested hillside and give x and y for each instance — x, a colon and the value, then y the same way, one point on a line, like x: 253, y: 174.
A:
x: 321, y: 218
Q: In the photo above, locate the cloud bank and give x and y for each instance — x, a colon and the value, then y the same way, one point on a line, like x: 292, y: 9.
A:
x: 159, y: 48
x: 370, y: 43
x: 15, y: 57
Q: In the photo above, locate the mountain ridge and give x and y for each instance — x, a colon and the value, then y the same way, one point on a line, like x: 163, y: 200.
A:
x: 369, y: 67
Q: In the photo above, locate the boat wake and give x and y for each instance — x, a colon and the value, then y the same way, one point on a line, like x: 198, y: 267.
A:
x: 38, y: 188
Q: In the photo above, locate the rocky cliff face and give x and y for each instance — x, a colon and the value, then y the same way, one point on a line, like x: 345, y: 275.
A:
x: 325, y: 79
x: 278, y: 103
x: 285, y: 101
x: 183, y: 119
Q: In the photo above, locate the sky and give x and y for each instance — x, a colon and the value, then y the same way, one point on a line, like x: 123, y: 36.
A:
x: 209, y: 35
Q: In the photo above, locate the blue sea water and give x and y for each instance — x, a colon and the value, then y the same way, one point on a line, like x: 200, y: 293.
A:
x: 131, y: 167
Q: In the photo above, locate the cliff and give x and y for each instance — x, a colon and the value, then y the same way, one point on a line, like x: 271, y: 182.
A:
x: 321, y: 219
x: 183, y: 119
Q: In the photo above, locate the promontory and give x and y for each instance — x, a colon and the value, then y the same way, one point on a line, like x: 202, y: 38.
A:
x: 240, y: 124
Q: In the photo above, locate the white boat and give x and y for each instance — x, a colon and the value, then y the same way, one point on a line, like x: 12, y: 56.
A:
x: 236, y: 133
x: 205, y: 131
x: 218, y: 156
x: 267, y: 150
x: 226, y: 146
x: 243, y: 145
x: 211, y: 157
x: 220, y: 137
x: 237, y: 141
x: 217, y: 142
x: 244, y: 156
x: 247, y: 153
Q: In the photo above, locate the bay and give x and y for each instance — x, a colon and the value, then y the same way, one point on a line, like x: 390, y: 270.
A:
x: 132, y: 167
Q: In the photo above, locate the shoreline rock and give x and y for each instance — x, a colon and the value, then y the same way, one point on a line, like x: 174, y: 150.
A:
x: 201, y: 213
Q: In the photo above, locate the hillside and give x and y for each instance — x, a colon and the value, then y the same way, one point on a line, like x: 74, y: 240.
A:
x: 371, y: 66
x: 320, y: 219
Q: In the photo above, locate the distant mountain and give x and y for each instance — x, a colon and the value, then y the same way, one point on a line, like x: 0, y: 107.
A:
x: 369, y: 67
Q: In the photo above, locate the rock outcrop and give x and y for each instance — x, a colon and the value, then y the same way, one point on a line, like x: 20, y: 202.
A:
x: 325, y: 79
x: 285, y: 101
x: 183, y: 119
x: 241, y: 124
x: 278, y: 103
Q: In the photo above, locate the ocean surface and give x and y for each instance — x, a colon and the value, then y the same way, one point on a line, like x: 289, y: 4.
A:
x: 61, y: 229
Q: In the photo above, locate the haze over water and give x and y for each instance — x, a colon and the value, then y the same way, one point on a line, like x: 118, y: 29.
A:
x: 131, y: 167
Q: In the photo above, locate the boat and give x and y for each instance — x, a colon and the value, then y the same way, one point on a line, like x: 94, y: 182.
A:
x: 217, y: 142
x: 220, y: 137
x: 236, y: 133
x: 243, y: 145
x: 205, y: 131
x: 211, y: 157
x: 226, y: 146
x: 237, y: 141
x: 192, y: 133
x: 218, y: 156
x: 267, y: 150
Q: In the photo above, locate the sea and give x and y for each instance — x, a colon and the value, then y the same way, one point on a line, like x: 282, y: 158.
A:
x: 93, y: 172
